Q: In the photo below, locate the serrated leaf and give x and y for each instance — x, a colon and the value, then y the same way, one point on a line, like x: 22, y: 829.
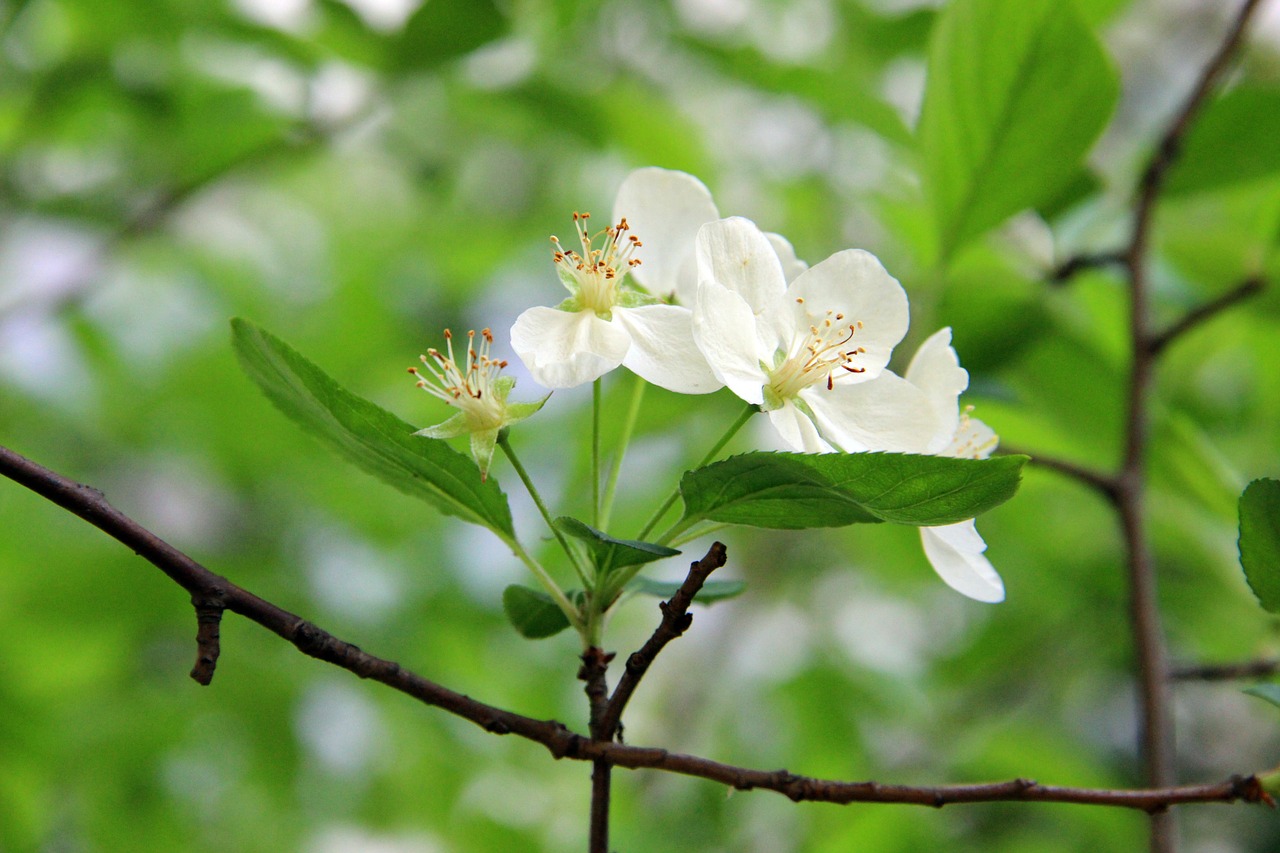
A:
x: 799, y: 490
x: 1270, y: 692
x: 532, y: 612
x: 612, y: 553
x: 712, y: 591
x: 367, y: 435
x: 1260, y: 541
x: 1016, y: 93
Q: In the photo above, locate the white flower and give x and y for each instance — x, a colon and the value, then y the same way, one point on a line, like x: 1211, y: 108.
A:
x: 479, y: 392
x: 811, y: 354
x: 607, y: 321
x: 954, y: 550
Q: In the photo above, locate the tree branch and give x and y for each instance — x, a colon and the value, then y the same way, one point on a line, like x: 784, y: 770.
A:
x: 1225, y: 671
x: 1248, y: 288
x: 92, y: 506
x: 1096, y: 480
x: 675, y: 621
x: 1077, y: 264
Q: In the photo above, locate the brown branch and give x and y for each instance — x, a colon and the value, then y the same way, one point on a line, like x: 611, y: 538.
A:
x: 1096, y: 480
x: 1157, y: 730
x: 209, y: 609
x: 1077, y: 264
x: 92, y: 506
x: 675, y: 621
x: 1248, y: 288
x: 595, y: 665
x: 1225, y: 671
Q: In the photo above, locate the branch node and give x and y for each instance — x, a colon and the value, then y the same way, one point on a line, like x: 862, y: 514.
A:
x: 209, y: 608
x: 1250, y: 789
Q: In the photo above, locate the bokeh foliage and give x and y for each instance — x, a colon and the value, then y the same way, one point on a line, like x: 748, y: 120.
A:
x: 359, y: 175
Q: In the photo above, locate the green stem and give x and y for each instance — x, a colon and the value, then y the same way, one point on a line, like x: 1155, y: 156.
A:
x: 595, y: 453
x: 505, y: 443
x: 628, y: 427
x: 711, y: 454
x: 548, y: 583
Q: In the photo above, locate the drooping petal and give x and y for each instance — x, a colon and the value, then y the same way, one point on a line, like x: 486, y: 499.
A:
x: 853, y: 283
x: 562, y: 349
x: 724, y: 330
x: 663, y: 350
x: 935, y: 369
x: 955, y: 551
x: 791, y: 265
x: 796, y: 429
x: 736, y: 255
x: 888, y: 414
x: 665, y: 209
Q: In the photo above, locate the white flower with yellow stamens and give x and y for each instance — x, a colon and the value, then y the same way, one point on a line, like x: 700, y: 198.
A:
x: 478, y: 392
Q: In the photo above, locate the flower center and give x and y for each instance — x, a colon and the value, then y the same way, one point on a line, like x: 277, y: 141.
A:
x: 597, y: 272
x: 825, y: 354
x: 470, y: 390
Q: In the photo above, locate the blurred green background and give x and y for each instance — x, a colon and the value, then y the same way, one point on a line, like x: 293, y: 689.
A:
x: 357, y: 176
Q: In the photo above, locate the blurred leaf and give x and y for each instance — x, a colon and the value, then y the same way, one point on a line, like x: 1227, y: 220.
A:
x: 610, y: 553
x: 441, y: 30
x: 1269, y: 692
x: 1016, y: 94
x: 799, y: 490
x: 369, y: 436
x: 532, y: 612
x: 712, y: 591
x: 1260, y: 540
x: 1236, y: 139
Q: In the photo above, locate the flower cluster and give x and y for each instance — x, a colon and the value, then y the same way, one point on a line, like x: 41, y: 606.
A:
x: 694, y: 302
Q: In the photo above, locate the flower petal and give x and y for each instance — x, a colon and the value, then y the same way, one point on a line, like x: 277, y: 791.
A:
x: 973, y: 440
x: 888, y: 413
x: 955, y: 551
x: 663, y: 350
x: 664, y: 209
x: 723, y: 329
x: 853, y: 283
x: 935, y: 369
x: 567, y: 348
x: 797, y: 429
x: 791, y: 265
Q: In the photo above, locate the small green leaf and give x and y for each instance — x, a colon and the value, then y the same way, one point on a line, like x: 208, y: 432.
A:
x: 1235, y: 140
x: 441, y: 30
x: 533, y: 613
x: 1017, y: 91
x: 1269, y: 691
x: 610, y: 553
x: 367, y: 435
x: 1260, y: 540
x: 800, y: 490
x: 712, y: 591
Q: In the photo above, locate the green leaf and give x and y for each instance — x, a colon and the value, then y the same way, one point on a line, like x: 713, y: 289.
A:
x: 1269, y: 692
x: 1260, y: 540
x: 367, y: 435
x: 1236, y: 139
x: 610, y: 553
x: 533, y: 613
x: 712, y: 591
x: 1017, y: 91
x: 799, y: 490
x: 441, y: 30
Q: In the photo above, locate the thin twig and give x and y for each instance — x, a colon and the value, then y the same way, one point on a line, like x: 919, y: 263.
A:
x: 595, y: 665
x: 675, y: 621
x: 1077, y: 264
x: 1096, y: 480
x: 1157, y: 732
x: 89, y: 504
x: 1225, y: 671
x: 1248, y: 288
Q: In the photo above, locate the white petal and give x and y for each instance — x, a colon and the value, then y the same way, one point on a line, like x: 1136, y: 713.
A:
x: 791, y: 265
x: 663, y: 351
x: 935, y: 369
x: 853, y: 283
x: 724, y: 330
x: 973, y: 440
x: 888, y: 413
x: 955, y: 550
x: 567, y: 348
x: 735, y: 254
x: 797, y: 430
x: 665, y: 209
